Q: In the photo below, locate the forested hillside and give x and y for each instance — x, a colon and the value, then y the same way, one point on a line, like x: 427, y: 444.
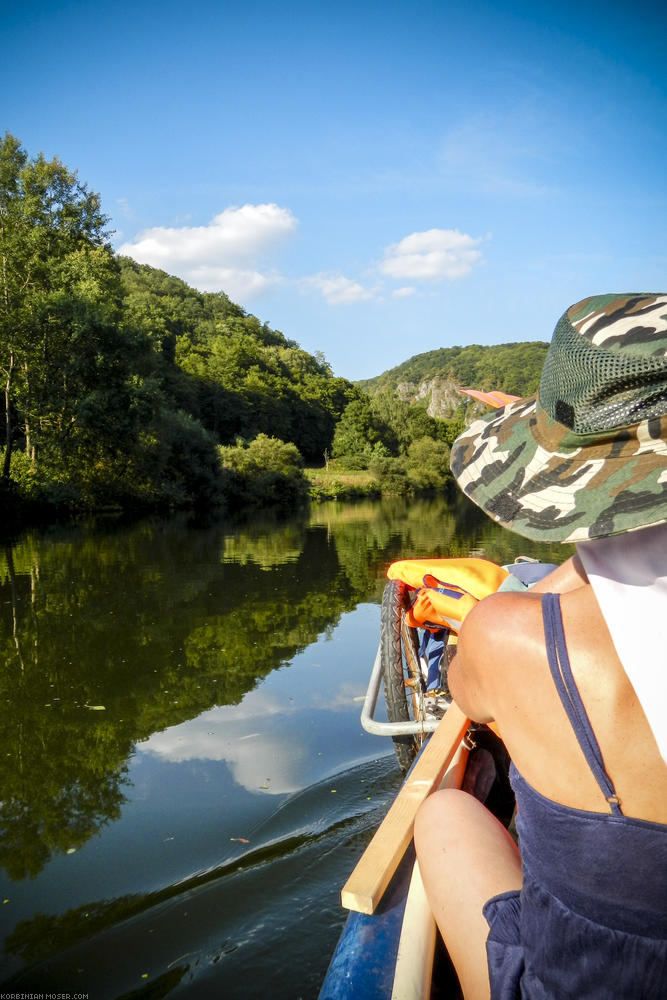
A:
x: 235, y: 375
x: 403, y: 427
x: 126, y: 388
x: 434, y: 377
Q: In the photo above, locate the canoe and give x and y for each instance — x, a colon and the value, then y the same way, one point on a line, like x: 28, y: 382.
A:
x: 389, y: 948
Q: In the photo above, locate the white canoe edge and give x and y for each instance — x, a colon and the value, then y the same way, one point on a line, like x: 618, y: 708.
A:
x: 416, y: 946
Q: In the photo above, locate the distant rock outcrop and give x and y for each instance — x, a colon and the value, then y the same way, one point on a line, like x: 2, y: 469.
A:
x: 441, y: 395
x: 433, y: 379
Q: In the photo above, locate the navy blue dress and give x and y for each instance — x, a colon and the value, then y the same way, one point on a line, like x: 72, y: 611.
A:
x: 590, y: 922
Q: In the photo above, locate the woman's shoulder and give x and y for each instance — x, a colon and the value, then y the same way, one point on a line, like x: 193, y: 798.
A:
x: 500, y: 634
x: 500, y: 627
x: 502, y: 673
x: 504, y: 635
x: 502, y: 668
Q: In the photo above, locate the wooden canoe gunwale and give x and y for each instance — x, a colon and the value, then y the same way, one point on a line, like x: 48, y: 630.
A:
x: 372, y: 874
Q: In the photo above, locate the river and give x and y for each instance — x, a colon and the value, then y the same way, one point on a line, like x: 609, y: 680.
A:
x: 185, y: 781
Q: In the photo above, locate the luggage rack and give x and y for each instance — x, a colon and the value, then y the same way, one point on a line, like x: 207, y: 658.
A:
x: 435, y: 709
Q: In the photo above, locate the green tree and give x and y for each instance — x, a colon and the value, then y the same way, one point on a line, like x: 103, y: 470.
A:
x: 268, y: 471
x: 231, y: 372
x: 360, y: 433
x: 60, y: 301
x: 427, y: 464
x: 12, y: 162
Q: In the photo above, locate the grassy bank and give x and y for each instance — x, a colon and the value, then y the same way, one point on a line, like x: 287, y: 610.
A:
x: 336, y: 484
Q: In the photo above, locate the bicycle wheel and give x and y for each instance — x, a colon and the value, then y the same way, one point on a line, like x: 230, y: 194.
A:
x: 401, y: 672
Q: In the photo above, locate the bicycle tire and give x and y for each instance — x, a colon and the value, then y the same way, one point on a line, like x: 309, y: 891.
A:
x: 399, y: 644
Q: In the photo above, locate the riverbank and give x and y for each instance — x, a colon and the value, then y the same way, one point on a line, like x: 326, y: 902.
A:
x: 336, y: 484
x: 264, y: 490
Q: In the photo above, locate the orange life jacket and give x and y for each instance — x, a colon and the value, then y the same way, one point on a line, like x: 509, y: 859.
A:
x: 446, y: 589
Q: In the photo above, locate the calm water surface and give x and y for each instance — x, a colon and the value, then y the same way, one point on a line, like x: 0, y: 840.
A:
x: 185, y: 781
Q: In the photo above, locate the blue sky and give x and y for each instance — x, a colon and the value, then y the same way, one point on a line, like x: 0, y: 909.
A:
x: 373, y: 179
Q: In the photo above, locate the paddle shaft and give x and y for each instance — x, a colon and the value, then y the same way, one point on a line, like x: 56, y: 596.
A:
x: 365, y: 886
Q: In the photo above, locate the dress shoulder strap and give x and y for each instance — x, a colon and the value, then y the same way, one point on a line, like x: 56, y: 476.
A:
x: 561, y: 671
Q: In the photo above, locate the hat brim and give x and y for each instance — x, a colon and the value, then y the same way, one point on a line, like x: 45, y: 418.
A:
x: 538, y: 478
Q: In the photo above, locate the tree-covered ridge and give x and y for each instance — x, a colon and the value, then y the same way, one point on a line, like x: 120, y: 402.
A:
x: 122, y: 384
x: 515, y: 368
x: 402, y: 427
x: 234, y: 374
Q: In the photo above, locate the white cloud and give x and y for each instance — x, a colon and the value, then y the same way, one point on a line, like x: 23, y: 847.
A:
x: 224, y: 255
x: 260, y: 761
x: 253, y: 737
x: 338, y: 290
x: 230, y: 254
x: 239, y: 283
x: 434, y: 255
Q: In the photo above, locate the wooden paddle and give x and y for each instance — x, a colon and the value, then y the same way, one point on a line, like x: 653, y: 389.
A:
x: 365, y: 886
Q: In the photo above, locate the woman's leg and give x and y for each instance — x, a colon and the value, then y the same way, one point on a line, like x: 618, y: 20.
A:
x: 465, y: 857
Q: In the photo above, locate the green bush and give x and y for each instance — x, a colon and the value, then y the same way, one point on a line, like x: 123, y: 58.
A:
x: 175, y: 464
x: 39, y: 485
x: 427, y: 463
x: 390, y: 474
x: 266, y: 471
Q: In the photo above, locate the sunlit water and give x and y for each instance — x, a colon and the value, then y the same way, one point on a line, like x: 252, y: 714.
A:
x: 185, y: 781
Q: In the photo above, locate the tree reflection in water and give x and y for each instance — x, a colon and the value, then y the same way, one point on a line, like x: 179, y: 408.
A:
x: 109, y: 634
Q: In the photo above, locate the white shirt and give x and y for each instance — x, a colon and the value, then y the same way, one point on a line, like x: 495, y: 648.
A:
x: 628, y: 573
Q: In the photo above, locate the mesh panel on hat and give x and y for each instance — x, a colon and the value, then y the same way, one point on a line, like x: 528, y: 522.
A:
x: 592, y: 390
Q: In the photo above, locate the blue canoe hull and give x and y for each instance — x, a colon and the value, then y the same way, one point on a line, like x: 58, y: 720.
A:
x: 362, y: 967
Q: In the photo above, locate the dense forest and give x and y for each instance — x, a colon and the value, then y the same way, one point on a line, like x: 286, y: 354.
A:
x: 121, y: 383
x: 123, y: 387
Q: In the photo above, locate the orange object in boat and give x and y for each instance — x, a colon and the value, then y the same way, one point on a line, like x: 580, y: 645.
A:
x: 446, y: 589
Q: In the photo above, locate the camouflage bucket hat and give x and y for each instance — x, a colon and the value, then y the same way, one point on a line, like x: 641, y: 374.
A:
x: 587, y: 456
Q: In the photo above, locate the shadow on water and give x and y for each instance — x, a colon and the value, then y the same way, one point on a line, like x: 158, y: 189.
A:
x: 173, y: 686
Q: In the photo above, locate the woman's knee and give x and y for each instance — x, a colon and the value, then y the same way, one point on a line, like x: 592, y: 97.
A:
x: 439, y: 817
x: 453, y: 823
